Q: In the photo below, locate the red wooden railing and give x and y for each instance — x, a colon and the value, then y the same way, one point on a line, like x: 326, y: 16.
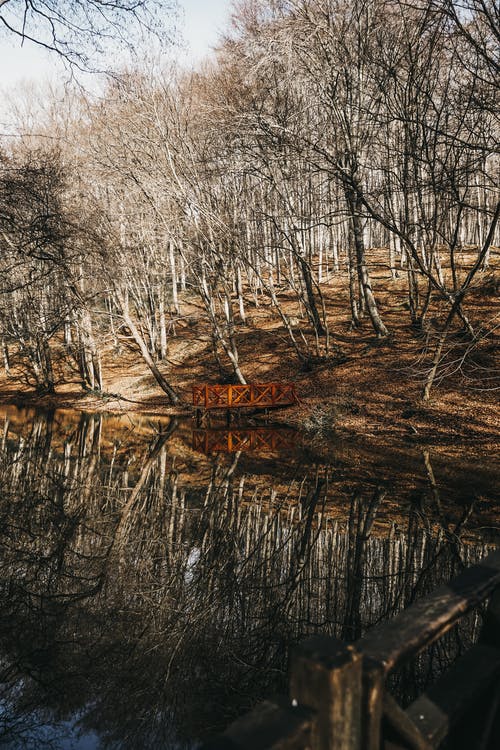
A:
x: 263, y: 396
x: 258, y: 439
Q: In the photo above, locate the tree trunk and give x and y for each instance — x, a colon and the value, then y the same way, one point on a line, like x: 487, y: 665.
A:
x: 353, y: 277
x: 88, y: 357
x: 6, y: 358
x: 355, y: 206
x: 312, y: 308
x: 162, y: 382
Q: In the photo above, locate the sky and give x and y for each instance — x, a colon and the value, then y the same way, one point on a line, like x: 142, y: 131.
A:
x: 200, y: 22
x: 204, y: 20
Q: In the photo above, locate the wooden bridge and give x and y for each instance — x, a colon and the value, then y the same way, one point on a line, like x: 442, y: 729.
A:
x: 258, y: 439
x: 256, y: 396
x: 339, y: 699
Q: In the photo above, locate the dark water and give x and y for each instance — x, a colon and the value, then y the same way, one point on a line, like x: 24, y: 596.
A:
x: 152, y: 579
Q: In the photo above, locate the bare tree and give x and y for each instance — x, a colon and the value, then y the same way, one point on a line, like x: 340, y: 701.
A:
x: 81, y: 30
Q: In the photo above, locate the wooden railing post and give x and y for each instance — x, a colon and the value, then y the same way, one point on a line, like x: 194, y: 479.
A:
x: 326, y: 676
x: 490, y: 633
x: 372, y: 705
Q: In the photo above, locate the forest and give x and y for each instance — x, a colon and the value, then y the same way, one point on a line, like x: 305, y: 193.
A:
x: 330, y: 175
x: 316, y: 204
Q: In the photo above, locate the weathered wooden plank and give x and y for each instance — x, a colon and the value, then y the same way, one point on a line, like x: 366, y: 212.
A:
x: 391, y: 643
x: 372, y: 705
x: 326, y: 676
x: 490, y: 633
x: 403, y: 726
x: 270, y: 726
x: 435, y: 712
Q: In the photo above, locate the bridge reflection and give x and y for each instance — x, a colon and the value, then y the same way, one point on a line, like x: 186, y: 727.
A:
x: 258, y: 439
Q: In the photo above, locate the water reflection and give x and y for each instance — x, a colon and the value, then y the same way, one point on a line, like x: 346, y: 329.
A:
x: 258, y: 439
x: 150, y: 592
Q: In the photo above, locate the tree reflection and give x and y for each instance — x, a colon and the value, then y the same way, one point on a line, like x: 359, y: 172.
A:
x: 154, y: 597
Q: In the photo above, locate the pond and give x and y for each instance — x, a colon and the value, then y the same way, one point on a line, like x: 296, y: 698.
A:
x: 154, y: 574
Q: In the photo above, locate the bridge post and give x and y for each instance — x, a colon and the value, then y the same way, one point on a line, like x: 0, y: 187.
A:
x: 326, y: 676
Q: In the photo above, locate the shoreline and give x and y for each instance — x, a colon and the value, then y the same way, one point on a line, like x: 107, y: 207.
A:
x: 418, y: 423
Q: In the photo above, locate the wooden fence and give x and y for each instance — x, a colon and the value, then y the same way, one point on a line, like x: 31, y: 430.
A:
x: 257, y: 396
x: 338, y: 696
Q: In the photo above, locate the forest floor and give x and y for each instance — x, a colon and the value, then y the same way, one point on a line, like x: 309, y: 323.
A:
x: 366, y: 387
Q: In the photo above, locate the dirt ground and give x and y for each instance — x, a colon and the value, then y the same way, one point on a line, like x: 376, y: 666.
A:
x: 365, y: 387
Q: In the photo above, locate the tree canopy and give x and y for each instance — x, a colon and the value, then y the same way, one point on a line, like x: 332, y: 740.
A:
x: 81, y: 30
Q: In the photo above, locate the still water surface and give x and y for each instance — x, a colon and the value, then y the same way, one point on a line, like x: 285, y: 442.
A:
x: 153, y: 576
